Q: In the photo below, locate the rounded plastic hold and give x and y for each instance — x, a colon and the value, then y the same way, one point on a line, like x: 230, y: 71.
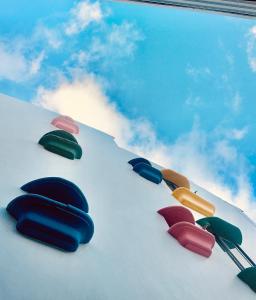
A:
x: 249, y: 277
x: 148, y: 172
x: 63, y: 134
x: 66, y: 118
x: 193, y: 238
x: 51, y: 222
x: 229, y: 232
x: 62, y: 143
x: 176, y: 214
x: 138, y: 160
x: 58, y: 189
x: 193, y: 201
x: 66, y: 123
x: 176, y: 178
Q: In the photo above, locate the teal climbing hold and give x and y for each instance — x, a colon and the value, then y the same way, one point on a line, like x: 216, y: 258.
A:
x: 223, y: 229
x: 62, y: 143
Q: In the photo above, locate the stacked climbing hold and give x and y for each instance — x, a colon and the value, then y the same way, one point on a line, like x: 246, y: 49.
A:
x: 182, y: 227
x: 62, y: 143
x: 144, y: 168
x: 53, y: 211
x: 65, y: 123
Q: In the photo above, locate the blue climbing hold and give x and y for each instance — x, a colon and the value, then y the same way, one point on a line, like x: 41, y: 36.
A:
x: 58, y: 189
x: 148, y: 172
x: 61, y: 225
x: 138, y: 160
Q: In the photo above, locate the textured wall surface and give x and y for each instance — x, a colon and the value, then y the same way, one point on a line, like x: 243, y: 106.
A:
x: 131, y: 256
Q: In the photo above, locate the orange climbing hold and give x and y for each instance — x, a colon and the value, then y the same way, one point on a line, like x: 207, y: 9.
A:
x: 175, y: 178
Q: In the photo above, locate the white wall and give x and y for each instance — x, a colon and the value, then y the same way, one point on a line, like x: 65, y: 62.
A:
x: 131, y: 256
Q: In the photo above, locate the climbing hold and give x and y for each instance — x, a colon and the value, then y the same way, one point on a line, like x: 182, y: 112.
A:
x: 58, y: 189
x: 248, y: 276
x: 170, y: 176
x: 62, y: 143
x: 60, y: 225
x: 66, y: 123
x: 148, y: 172
x: 193, y: 238
x: 176, y: 214
x: 193, y: 201
x: 138, y: 160
x: 229, y: 232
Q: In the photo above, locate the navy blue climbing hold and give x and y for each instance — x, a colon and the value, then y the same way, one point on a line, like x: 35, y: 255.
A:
x: 61, y: 225
x: 148, y: 172
x: 138, y: 160
x: 54, y: 211
x: 58, y: 189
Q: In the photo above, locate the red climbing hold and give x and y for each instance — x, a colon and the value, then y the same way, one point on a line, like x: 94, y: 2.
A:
x: 193, y: 238
x: 175, y: 214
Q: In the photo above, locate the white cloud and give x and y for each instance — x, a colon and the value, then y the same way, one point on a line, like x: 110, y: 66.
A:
x: 236, y: 102
x: 194, y: 101
x: 81, y: 57
x: 123, y: 38
x: 14, y: 65
x: 253, y: 31
x: 53, y: 37
x: 193, y: 153
x: 82, y: 15
x: 89, y: 105
x: 22, y: 58
x: 119, y: 41
x: 224, y: 150
x: 251, y: 48
x: 230, y: 59
x: 35, y: 64
x: 198, y: 73
x: 236, y: 134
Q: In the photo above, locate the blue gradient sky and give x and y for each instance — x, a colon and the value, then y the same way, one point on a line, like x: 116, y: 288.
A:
x: 190, y: 75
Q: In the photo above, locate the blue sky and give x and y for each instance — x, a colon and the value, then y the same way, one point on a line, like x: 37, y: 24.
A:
x: 176, y: 86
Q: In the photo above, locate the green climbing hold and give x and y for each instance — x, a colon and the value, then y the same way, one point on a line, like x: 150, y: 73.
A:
x: 249, y: 277
x: 61, y: 143
x: 63, y: 134
x: 220, y: 228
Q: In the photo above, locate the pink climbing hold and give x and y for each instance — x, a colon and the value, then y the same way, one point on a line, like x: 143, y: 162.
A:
x: 176, y: 214
x: 193, y: 238
x: 67, y: 118
x: 65, y: 123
